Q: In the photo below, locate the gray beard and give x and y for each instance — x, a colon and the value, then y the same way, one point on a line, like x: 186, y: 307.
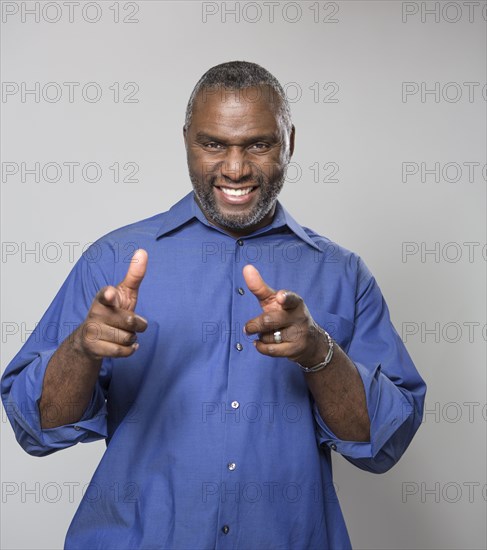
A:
x: 269, y: 191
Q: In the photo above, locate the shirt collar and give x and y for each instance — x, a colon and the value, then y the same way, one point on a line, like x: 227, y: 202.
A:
x: 187, y: 209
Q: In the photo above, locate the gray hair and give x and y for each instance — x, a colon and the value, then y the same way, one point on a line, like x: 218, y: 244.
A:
x: 239, y: 75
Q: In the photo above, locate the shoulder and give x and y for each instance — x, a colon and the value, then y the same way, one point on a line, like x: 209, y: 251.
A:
x: 144, y: 233
x: 114, y: 250
x: 338, y: 258
x: 128, y: 238
x: 143, y: 230
x: 331, y: 248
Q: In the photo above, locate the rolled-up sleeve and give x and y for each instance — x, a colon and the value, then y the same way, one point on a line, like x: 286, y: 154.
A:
x: 21, y: 385
x: 393, y: 387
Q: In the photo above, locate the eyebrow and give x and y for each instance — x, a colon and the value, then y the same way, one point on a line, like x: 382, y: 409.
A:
x: 203, y: 136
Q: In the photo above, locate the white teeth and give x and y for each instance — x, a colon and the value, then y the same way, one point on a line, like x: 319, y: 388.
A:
x: 236, y: 192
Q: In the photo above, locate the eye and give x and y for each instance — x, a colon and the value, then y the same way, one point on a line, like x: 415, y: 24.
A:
x: 213, y: 145
x: 260, y: 146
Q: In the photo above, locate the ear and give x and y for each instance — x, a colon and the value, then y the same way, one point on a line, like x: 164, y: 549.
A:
x: 185, y: 136
x: 291, y: 141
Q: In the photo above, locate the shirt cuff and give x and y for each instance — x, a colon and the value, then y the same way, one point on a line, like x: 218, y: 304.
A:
x: 23, y: 411
x: 388, y: 409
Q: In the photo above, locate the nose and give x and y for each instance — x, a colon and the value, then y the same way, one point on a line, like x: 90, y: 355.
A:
x: 235, y: 168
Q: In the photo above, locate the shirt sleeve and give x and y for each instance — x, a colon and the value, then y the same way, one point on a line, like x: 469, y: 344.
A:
x: 393, y: 388
x: 21, y: 385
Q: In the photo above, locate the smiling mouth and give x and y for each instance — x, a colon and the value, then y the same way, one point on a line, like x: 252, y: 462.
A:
x: 240, y: 192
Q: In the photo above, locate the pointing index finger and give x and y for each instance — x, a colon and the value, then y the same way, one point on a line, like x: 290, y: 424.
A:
x: 256, y: 284
x: 136, y: 270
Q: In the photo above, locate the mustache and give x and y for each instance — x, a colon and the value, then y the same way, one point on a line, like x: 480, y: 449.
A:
x: 257, y: 180
x: 256, y: 176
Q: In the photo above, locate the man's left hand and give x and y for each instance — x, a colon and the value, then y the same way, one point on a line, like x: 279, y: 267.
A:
x: 303, y: 341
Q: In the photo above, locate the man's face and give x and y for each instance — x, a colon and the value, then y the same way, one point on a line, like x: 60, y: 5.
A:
x: 237, y: 149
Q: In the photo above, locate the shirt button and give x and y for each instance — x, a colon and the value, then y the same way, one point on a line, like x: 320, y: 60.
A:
x: 241, y: 291
x: 235, y: 404
x: 231, y: 466
x: 77, y: 428
x: 240, y: 242
x: 225, y: 529
x: 239, y: 346
x: 333, y: 447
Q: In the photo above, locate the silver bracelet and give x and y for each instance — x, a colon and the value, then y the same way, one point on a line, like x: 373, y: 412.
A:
x: 328, y: 358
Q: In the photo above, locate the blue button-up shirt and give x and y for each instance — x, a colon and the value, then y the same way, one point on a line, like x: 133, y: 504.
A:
x: 209, y: 443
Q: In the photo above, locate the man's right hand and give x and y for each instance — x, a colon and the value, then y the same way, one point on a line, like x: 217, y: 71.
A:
x: 111, y: 326
x: 109, y: 330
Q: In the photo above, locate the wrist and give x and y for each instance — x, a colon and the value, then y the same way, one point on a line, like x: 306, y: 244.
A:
x: 78, y: 345
x: 322, y: 356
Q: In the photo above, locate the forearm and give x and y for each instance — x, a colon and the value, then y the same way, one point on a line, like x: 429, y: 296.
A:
x: 339, y: 394
x: 68, y: 384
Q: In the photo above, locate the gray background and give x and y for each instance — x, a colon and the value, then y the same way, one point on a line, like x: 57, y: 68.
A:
x: 345, y: 79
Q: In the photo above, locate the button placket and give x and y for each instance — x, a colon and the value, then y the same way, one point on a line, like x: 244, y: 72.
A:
x: 231, y: 465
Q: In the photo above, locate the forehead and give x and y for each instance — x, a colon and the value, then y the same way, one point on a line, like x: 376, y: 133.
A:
x: 237, y: 111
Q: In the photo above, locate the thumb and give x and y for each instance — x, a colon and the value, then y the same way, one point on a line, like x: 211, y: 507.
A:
x: 256, y: 284
x: 136, y: 271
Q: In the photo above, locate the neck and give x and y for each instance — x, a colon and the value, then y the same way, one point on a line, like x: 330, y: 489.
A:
x: 266, y: 220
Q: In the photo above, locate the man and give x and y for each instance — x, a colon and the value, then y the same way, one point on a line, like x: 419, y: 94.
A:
x: 220, y: 394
